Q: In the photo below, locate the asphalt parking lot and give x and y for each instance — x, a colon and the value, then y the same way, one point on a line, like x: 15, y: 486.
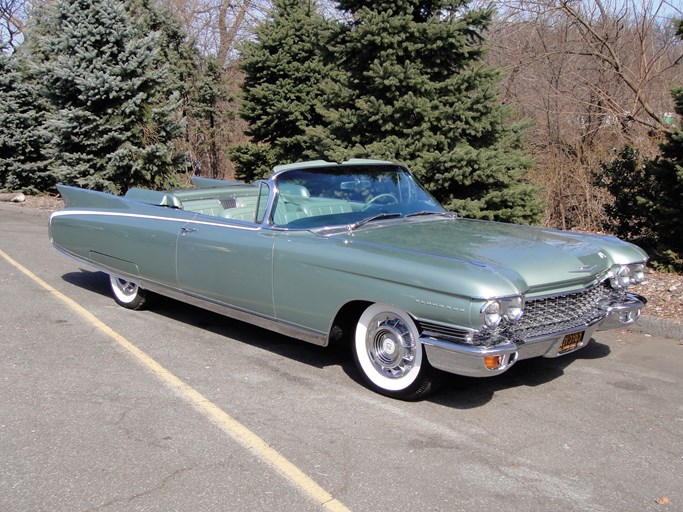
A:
x: 176, y: 408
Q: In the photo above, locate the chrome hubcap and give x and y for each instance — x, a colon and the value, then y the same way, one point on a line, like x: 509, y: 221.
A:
x: 126, y: 287
x: 390, y: 345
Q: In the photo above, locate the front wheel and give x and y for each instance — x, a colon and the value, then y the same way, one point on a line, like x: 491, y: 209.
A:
x: 127, y: 293
x: 389, y: 355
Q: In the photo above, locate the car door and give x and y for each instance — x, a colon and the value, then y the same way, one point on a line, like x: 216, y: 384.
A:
x: 227, y: 261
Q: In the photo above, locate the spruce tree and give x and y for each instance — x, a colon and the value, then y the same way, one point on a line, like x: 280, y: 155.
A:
x: 647, y: 197
x: 21, y: 140
x: 631, y: 188
x: 411, y: 87
x: 665, y: 205
x: 647, y: 205
x: 114, y: 110
x: 281, y: 92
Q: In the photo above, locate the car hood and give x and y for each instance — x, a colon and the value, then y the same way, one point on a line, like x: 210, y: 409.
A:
x: 532, y: 258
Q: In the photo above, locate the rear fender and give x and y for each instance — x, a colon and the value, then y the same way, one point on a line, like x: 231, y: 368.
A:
x: 75, y: 197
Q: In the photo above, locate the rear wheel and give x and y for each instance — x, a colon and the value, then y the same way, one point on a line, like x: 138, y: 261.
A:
x: 389, y: 355
x: 127, y: 293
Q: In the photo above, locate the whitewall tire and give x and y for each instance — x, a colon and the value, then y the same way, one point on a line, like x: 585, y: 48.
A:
x: 389, y: 354
x: 127, y: 293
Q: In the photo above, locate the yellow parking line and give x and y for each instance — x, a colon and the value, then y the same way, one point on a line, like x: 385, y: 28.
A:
x: 227, y: 423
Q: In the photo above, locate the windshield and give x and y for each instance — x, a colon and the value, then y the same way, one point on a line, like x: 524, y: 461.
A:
x: 348, y: 196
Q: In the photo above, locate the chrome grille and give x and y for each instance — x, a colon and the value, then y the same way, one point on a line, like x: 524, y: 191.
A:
x: 549, y: 315
x: 543, y: 316
x: 446, y: 333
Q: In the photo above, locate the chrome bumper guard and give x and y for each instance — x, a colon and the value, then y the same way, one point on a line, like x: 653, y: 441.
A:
x: 468, y: 360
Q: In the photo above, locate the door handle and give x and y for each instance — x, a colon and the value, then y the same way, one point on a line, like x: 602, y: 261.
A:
x: 185, y: 231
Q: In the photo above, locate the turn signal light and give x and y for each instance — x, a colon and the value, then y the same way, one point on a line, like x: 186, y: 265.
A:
x: 493, y: 362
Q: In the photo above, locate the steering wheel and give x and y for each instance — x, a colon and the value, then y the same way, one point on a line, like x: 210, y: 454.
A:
x: 389, y: 198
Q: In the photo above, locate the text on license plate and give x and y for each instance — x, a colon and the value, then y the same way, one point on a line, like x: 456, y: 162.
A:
x: 571, y: 341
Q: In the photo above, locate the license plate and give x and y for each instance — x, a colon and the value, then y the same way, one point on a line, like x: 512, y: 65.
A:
x: 571, y: 342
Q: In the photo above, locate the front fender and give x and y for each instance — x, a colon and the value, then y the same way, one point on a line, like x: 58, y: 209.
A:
x: 314, y: 277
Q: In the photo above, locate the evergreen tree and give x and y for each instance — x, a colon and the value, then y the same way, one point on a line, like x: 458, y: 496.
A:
x: 176, y: 51
x: 114, y: 97
x: 665, y: 206
x: 283, y: 71
x: 631, y: 187
x: 21, y: 114
x: 648, y: 195
x: 411, y: 87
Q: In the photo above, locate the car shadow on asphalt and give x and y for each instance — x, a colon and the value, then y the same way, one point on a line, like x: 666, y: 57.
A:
x: 456, y: 391
x: 90, y: 280
x: 470, y: 392
x: 221, y: 325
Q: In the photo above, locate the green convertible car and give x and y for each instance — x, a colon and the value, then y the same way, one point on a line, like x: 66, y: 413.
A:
x: 359, y: 252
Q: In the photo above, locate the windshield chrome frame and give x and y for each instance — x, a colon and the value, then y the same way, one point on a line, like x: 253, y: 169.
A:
x: 275, y: 193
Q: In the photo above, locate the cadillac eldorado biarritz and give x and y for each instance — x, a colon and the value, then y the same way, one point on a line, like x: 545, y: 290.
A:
x: 359, y: 253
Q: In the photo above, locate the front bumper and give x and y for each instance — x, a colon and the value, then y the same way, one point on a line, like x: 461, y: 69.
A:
x: 472, y: 360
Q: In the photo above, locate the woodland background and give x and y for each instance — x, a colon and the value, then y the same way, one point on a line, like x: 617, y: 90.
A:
x: 590, y: 80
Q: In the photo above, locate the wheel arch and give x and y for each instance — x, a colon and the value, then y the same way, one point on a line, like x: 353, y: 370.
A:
x: 343, y: 326
x: 344, y: 323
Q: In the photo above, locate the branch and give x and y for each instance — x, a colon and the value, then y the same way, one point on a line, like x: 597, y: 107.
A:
x: 227, y: 35
x: 610, y: 58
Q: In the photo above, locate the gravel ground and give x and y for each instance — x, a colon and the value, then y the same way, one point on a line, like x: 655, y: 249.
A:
x: 663, y: 291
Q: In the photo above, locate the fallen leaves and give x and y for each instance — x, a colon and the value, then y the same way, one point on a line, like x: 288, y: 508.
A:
x: 664, y: 294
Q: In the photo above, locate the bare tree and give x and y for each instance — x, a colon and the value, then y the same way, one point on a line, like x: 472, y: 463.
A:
x: 218, y: 26
x: 13, y: 15
x: 615, y: 33
x: 631, y: 44
x: 591, y: 75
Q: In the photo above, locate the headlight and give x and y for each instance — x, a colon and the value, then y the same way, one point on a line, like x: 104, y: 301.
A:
x: 638, y: 274
x: 621, y: 278
x: 514, y: 309
x: 491, y: 314
x: 497, y: 310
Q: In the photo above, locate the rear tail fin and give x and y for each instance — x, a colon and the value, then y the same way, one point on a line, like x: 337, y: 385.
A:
x: 75, y: 197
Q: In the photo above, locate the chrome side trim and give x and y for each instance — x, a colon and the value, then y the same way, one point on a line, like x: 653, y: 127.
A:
x: 447, y: 333
x: 228, y: 223
x: 272, y: 324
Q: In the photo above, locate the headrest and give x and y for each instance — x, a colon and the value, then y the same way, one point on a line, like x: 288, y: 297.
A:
x: 294, y: 192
